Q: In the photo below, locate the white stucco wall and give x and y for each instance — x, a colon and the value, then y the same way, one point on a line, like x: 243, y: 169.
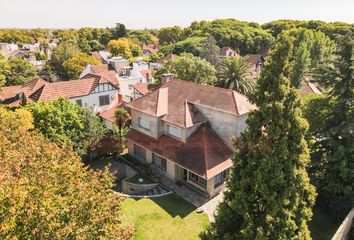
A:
x: 154, y: 123
x: 92, y: 101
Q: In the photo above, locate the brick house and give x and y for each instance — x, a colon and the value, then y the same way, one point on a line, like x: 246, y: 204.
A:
x: 183, y: 130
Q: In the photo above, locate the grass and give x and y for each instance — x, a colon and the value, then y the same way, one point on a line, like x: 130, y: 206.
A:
x: 169, y: 217
x: 323, y: 225
x: 135, y: 179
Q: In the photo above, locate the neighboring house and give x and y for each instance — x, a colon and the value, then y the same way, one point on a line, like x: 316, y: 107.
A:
x: 94, y: 92
x: 109, y: 115
x: 120, y: 70
x: 140, y: 89
x: 227, y: 52
x: 7, y: 49
x: 167, y: 57
x: 183, y: 130
x: 149, y: 49
x: 102, y: 56
x: 255, y: 63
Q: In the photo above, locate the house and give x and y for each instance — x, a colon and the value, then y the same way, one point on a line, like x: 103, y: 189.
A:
x: 120, y: 70
x: 102, y: 56
x: 95, y: 92
x: 167, y: 57
x: 7, y: 49
x: 307, y: 87
x: 227, y: 52
x: 183, y: 131
x: 149, y: 49
x: 140, y: 89
x: 255, y: 63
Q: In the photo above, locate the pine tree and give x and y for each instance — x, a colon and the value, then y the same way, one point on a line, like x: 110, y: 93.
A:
x: 337, y: 138
x: 268, y: 193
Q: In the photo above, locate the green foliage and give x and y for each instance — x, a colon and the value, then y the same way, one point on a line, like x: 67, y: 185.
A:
x: 170, y: 35
x: 61, y: 54
x: 68, y: 124
x: 337, y: 135
x: 21, y: 71
x: 143, y: 36
x: 121, y: 127
x: 190, y: 68
x: 4, y: 71
x: 47, y: 192
x: 74, y: 66
x: 233, y: 73
x: 193, y: 45
x: 244, y: 37
x: 136, y: 50
x: 119, y: 31
x: 269, y: 195
x: 210, y: 51
x: 22, y: 36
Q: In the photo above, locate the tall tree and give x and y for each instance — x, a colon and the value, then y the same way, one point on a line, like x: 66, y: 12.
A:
x: 120, y: 47
x: 337, y: 138
x: 21, y: 71
x: 269, y: 195
x: 119, y: 31
x: 233, y: 73
x: 47, y: 192
x: 210, y: 51
x: 121, y: 127
x: 4, y: 70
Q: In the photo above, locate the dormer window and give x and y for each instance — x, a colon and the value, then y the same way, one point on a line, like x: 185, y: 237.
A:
x: 174, y: 131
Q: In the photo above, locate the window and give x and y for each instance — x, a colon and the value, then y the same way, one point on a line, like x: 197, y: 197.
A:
x: 143, y: 123
x: 159, y: 161
x: 104, y: 100
x: 140, y: 152
x: 220, y: 178
x: 174, y: 131
x: 197, y: 180
x: 79, y: 102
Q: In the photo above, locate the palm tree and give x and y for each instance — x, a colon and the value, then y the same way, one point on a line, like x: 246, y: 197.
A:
x: 234, y: 74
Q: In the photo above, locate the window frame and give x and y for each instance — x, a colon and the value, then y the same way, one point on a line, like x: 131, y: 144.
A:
x: 137, y: 153
x: 79, y: 102
x: 223, y: 176
x: 195, y: 178
x: 140, y: 119
x: 157, y: 161
x: 169, y: 126
x: 104, y: 97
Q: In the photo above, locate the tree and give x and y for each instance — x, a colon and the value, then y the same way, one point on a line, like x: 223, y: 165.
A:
x: 210, y: 51
x: 60, y: 54
x: 170, y: 35
x: 75, y: 65
x: 68, y: 124
x: 337, y: 137
x: 190, y: 68
x: 136, y: 50
x: 52, y: 193
x: 21, y: 71
x: 4, y: 71
x: 269, y: 195
x: 119, y: 31
x: 120, y: 47
x: 121, y: 127
x: 193, y: 45
x: 234, y: 74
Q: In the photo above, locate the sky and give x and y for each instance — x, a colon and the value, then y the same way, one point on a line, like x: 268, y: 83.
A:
x: 139, y: 14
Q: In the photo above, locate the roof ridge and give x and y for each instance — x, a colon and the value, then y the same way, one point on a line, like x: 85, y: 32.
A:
x: 236, y: 108
x: 202, y: 84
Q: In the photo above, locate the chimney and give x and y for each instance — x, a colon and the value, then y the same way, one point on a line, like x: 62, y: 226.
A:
x: 166, y: 77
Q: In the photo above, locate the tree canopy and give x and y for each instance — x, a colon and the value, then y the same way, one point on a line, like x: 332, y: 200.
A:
x: 18, y: 71
x: 74, y: 66
x: 47, y: 192
x: 68, y: 124
x: 269, y: 195
x: 190, y: 68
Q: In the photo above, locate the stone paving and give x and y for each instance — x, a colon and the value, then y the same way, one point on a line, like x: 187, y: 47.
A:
x: 210, y: 206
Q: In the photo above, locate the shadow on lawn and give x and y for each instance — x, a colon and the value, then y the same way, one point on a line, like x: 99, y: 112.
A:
x: 174, y: 205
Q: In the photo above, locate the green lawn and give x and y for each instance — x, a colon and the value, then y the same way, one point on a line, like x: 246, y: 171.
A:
x: 323, y: 225
x: 135, y: 179
x: 169, y: 217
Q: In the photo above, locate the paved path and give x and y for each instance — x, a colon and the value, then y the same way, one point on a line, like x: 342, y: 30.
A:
x: 210, y: 206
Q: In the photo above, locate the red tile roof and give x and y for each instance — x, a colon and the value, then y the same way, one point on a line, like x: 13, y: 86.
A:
x: 204, y: 152
x: 141, y: 87
x: 169, y: 101
x: 106, y: 71
x: 97, y: 56
x: 150, y: 48
x: 147, y: 73
x: 109, y: 114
